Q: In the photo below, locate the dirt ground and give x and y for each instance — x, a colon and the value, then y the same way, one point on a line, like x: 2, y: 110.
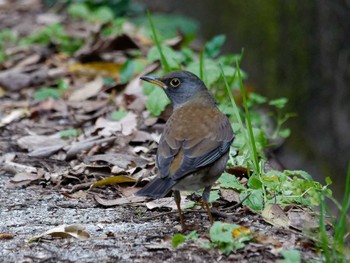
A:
x: 116, y: 234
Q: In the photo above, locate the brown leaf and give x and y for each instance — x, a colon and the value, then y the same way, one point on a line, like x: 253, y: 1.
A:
x: 230, y: 195
x: 168, y: 202
x: 119, y: 201
x: 141, y: 136
x: 6, y: 236
x: 13, y: 116
x: 36, y: 142
x: 91, y: 89
x: 275, y: 215
x: 87, y: 144
x: 121, y: 160
x: 302, y: 220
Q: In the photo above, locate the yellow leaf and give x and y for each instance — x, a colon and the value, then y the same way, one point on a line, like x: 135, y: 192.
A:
x: 272, y: 178
x: 240, y: 231
x: 118, y: 179
x: 105, y: 69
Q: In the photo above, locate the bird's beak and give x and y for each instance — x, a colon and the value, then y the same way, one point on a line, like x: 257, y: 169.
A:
x: 154, y: 80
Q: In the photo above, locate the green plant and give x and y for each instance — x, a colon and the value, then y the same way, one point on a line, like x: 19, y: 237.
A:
x: 56, y: 34
x: 178, y: 239
x: 333, y: 246
x: 51, y: 92
x: 228, y: 238
x: 290, y: 256
x: 66, y: 134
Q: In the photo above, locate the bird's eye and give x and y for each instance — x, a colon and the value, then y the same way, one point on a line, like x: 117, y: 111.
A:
x: 175, y: 82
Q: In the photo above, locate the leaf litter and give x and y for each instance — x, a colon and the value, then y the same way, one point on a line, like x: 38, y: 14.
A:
x: 102, y: 161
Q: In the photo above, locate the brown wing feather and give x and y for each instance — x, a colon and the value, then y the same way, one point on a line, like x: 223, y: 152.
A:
x: 188, y: 144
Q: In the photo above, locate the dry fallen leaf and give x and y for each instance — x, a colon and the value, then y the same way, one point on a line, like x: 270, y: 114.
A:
x: 24, y: 178
x: 91, y: 89
x: 6, y: 236
x: 122, y: 160
x: 168, y: 202
x: 230, y: 195
x: 37, y: 142
x: 119, y: 201
x: 275, y: 215
x: 13, y: 116
x: 64, y: 231
x: 302, y: 220
x: 118, y: 179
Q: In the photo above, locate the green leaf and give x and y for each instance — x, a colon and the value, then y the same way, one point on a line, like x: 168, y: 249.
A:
x: 127, y: 70
x: 171, y: 56
x: 114, y: 28
x: 230, y: 181
x: 255, y: 200
x: 214, y: 195
x: 222, y: 232
x: 278, y: 103
x: 255, y: 99
x: 103, y: 14
x: 212, y: 48
x: 62, y: 85
x: 178, y: 239
x: 46, y: 92
x: 210, y: 67
x: 284, y: 133
x: 168, y: 25
x: 254, y: 183
x: 328, y: 180
x: 118, y: 115
x: 78, y: 10
x: 157, y: 101
x: 290, y: 256
x: 65, y: 134
x: 301, y: 173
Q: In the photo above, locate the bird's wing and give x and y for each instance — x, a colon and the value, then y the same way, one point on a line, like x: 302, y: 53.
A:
x: 188, y: 144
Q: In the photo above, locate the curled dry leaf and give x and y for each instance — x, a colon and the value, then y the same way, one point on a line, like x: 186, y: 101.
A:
x: 46, y: 151
x: 90, y: 89
x: 126, y: 125
x: 122, y: 160
x: 24, y: 178
x: 13, y: 116
x: 169, y: 202
x: 6, y: 236
x: 230, y: 195
x: 37, y: 142
x: 64, y: 231
x: 87, y: 144
x: 15, y: 168
x: 303, y: 220
x: 119, y: 201
x: 275, y: 215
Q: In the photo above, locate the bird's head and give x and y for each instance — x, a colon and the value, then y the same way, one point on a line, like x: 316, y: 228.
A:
x: 180, y: 86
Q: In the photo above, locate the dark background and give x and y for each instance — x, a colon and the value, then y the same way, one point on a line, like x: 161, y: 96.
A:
x: 297, y: 49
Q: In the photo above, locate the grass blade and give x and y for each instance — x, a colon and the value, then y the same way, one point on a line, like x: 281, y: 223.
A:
x: 163, y: 60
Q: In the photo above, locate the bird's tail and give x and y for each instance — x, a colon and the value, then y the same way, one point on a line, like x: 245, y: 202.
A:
x: 157, y: 188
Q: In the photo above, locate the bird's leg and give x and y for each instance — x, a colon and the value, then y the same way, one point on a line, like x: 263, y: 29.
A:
x: 177, y: 198
x: 205, y: 199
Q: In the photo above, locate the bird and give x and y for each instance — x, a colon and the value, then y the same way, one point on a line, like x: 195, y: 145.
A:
x: 194, y: 147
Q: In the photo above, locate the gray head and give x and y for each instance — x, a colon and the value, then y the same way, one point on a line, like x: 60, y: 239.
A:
x: 180, y: 86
